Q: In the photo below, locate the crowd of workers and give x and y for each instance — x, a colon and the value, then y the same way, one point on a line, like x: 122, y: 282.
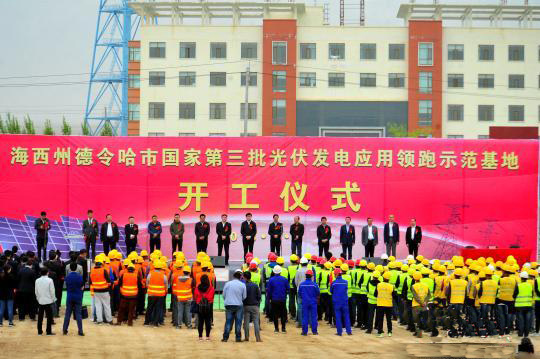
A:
x: 459, y: 297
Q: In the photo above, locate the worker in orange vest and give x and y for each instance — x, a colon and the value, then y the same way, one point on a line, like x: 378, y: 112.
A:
x: 182, y: 289
x: 156, y: 285
x: 99, y: 285
x: 129, y: 288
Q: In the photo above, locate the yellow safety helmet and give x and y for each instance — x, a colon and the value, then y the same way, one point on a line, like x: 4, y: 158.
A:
x: 424, y: 271
x: 450, y: 266
x: 187, y: 269
x: 144, y: 253
x: 376, y: 274
x: 363, y: 263
x: 140, y: 260
x: 328, y: 265
x: 159, y: 264
x: 127, y: 262
x: 158, y: 252
x: 371, y: 266
x: 98, y: 260
x: 205, y: 264
x: 391, y: 259
x: 534, y: 265
x: 419, y: 258
x: 404, y: 268
x: 417, y: 276
x: 293, y: 258
x: 387, y: 275
x: 411, y: 271
x: 131, y: 265
x: 482, y: 275
x: 280, y: 260
x: 392, y: 264
x: 487, y: 271
x: 532, y: 273
x: 379, y: 268
x: 178, y: 264
x: 107, y: 260
x: 307, y: 256
x: 337, y: 263
x: 458, y: 272
x: 425, y: 262
x: 344, y: 267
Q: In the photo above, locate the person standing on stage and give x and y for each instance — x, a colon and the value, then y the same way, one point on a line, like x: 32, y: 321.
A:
x: 131, y: 231
x: 224, y: 230
x: 347, y: 237
x: 177, y: 233
x: 324, y: 233
x: 42, y: 226
x: 297, y: 232
x: 154, y: 230
x: 370, y: 238
x: 109, y: 234
x: 248, y: 230
x: 275, y: 231
x: 413, y: 237
x: 391, y: 236
x: 90, y: 233
x: 202, y: 230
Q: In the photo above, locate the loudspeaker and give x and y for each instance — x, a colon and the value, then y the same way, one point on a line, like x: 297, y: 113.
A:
x: 218, y: 261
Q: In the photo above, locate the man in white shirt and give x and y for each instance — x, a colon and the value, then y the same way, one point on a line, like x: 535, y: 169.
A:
x: 109, y: 234
x: 370, y: 238
x: 45, y: 296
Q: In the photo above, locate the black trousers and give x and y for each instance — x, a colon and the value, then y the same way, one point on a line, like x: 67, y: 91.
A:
x: 27, y: 305
x: 42, y: 245
x: 204, y: 321
x: 370, y: 249
x: 347, y: 250
x: 361, y: 309
x: 47, y: 309
x: 108, y: 244
x: 221, y: 245
x: 292, y: 302
x: 296, y: 247
x: 381, y: 313
x: 91, y: 244
x: 279, y: 311
x: 324, y: 248
x: 155, y: 243
x: 413, y: 249
x: 275, y: 245
x: 131, y: 245
x: 248, y: 246
x: 177, y: 243
x: 201, y: 244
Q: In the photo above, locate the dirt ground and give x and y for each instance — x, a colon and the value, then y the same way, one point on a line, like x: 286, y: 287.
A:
x: 138, y: 341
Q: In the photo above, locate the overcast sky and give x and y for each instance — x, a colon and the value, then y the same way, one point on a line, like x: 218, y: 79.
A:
x: 55, y: 37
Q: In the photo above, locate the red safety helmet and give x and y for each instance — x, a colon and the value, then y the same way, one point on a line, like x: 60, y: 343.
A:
x: 350, y: 263
x: 332, y: 259
x: 343, y: 260
x: 309, y: 272
x: 253, y: 265
x: 272, y: 257
x: 358, y: 262
x: 322, y: 261
x: 248, y: 254
x: 314, y: 258
x: 249, y: 259
x: 337, y: 272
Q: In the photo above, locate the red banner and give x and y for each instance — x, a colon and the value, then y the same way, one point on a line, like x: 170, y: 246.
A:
x: 461, y: 192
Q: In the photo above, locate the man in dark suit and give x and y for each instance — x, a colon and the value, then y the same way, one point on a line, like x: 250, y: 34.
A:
x: 370, y: 238
x: 347, y: 238
x: 131, y: 230
x: 109, y: 234
x: 90, y: 233
x: 297, y: 233
x: 275, y: 231
x: 154, y: 230
x: 42, y: 226
x: 391, y: 236
x: 224, y: 230
x: 324, y: 233
x: 202, y: 230
x: 248, y: 230
x: 413, y: 237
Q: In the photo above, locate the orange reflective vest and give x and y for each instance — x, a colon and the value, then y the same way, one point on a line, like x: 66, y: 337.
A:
x: 211, y: 277
x: 98, y: 278
x: 182, y: 289
x: 129, y: 284
x: 156, y: 284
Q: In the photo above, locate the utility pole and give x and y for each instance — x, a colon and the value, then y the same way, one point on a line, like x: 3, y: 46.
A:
x: 246, y: 101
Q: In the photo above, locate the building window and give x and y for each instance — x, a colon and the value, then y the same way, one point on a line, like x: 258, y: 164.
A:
x: 156, y: 134
x: 424, y: 112
x: 188, y: 50
x: 336, y: 79
x: 279, y: 52
x: 455, y: 136
x: 308, y: 51
x: 279, y: 81
x: 217, y: 134
x: 486, y: 52
x: 516, y: 53
x: 249, y: 134
x: 455, y: 80
x: 218, y: 111
x: 134, y: 54
x: 516, y: 81
x: 134, y: 112
x: 486, y: 113
x: 248, y: 50
x: 483, y: 137
x: 308, y: 79
x: 396, y: 51
x: 455, y: 52
x: 425, y: 54
x: 218, y: 50
x: 455, y: 112
x: 156, y: 110
x: 425, y: 82
x: 186, y: 110
x: 516, y: 113
x: 368, y: 51
x: 218, y: 79
x: 396, y: 80
x: 252, y: 79
x: 252, y: 111
x: 134, y: 81
x: 278, y: 111
x: 157, y: 50
x: 186, y: 134
x: 368, y: 80
x: 279, y: 134
x: 187, y: 78
x: 156, y: 78
x: 336, y: 51
x: 486, y: 81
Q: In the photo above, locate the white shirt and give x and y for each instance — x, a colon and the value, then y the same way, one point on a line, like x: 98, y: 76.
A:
x: 109, y: 230
x: 347, y: 228
x: 370, y: 232
x: 413, y: 231
x: 390, y: 232
x: 45, y: 290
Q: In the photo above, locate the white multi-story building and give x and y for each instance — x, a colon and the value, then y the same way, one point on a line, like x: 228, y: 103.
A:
x: 428, y: 77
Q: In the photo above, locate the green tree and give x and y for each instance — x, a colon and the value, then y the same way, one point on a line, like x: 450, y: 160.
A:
x: 107, y: 129
x: 66, y: 127
x: 2, y: 125
x: 400, y: 130
x: 85, y: 129
x: 29, y: 126
x: 48, y: 129
x: 12, y: 124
